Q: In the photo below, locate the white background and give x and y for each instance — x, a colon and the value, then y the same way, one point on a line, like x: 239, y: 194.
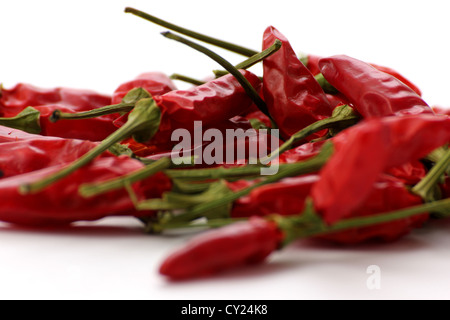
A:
x: 95, y: 45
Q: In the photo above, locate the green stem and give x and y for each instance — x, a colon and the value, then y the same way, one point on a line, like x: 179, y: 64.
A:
x: 94, y: 189
x: 27, y: 120
x: 127, y: 104
x: 142, y: 122
x: 425, y: 188
x: 308, y: 166
x: 207, y: 39
x: 252, y: 93
x: 343, y: 116
x: 250, y: 62
x: 177, y: 76
x: 326, y: 86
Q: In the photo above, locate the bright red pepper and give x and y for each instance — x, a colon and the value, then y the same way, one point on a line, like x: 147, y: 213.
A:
x: 286, y: 197
x: 13, y: 101
x: 293, y: 96
x: 61, y: 204
x: 387, y: 194
x: 369, y: 149
x: 35, y: 153
x: 313, y: 66
x: 373, y: 93
x: 156, y: 83
x: 231, y: 246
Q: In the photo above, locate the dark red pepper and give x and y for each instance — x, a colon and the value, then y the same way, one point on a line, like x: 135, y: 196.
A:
x: 228, y: 247
x: 293, y: 96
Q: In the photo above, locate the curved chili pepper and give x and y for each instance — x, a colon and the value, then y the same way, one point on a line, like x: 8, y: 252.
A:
x: 286, y: 197
x: 231, y: 246
x: 313, y: 66
x: 61, y: 204
x: 372, y: 92
x: 293, y: 96
x: 23, y: 156
x: 22, y: 95
x: 387, y: 194
x: 156, y: 83
x: 368, y: 149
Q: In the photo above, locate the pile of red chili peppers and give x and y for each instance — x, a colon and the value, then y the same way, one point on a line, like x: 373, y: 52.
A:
x: 362, y: 157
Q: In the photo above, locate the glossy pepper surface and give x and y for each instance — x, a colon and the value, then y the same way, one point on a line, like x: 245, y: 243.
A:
x: 293, y: 96
x: 369, y: 149
x: 236, y: 245
x: 373, y: 93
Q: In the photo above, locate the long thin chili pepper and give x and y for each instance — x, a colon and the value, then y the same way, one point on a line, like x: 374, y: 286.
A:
x: 293, y: 96
x: 252, y: 241
x: 61, y: 203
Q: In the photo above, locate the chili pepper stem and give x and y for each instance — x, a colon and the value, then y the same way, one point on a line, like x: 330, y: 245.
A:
x: 343, y: 116
x: 425, y: 188
x: 250, y: 62
x: 90, y: 190
x: 207, y: 39
x: 27, y: 120
x: 252, y: 93
x: 143, y: 118
x: 308, y: 166
x: 127, y: 104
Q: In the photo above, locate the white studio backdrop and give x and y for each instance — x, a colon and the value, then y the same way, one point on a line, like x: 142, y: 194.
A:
x: 95, y: 45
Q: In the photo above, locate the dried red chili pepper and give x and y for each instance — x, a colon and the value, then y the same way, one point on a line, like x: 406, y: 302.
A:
x: 22, y: 95
x: 387, y: 194
x: 373, y: 93
x: 156, y: 83
x: 155, y: 118
x: 61, y: 204
x: 313, y: 66
x: 238, y: 244
x: 34, y: 153
x: 293, y: 96
x: 368, y: 149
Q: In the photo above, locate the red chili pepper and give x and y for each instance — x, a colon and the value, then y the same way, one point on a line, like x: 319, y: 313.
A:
x: 372, y: 92
x: 156, y: 83
x: 293, y: 96
x: 387, y: 194
x: 61, y: 204
x: 13, y: 101
x: 235, y: 245
x: 35, y: 153
x: 313, y: 66
x: 369, y: 149
x: 286, y: 197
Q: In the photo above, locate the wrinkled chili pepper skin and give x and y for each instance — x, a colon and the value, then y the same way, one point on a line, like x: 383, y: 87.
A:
x: 225, y: 248
x: 286, y: 197
x: 22, y: 95
x: 387, y: 194
x: 372, y: 92
x: 93, y: 129
x: 369, y: 149
x: 156, y: 83
x: 23, y: 156
x: 61, y: 204
x: 293, y: 96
